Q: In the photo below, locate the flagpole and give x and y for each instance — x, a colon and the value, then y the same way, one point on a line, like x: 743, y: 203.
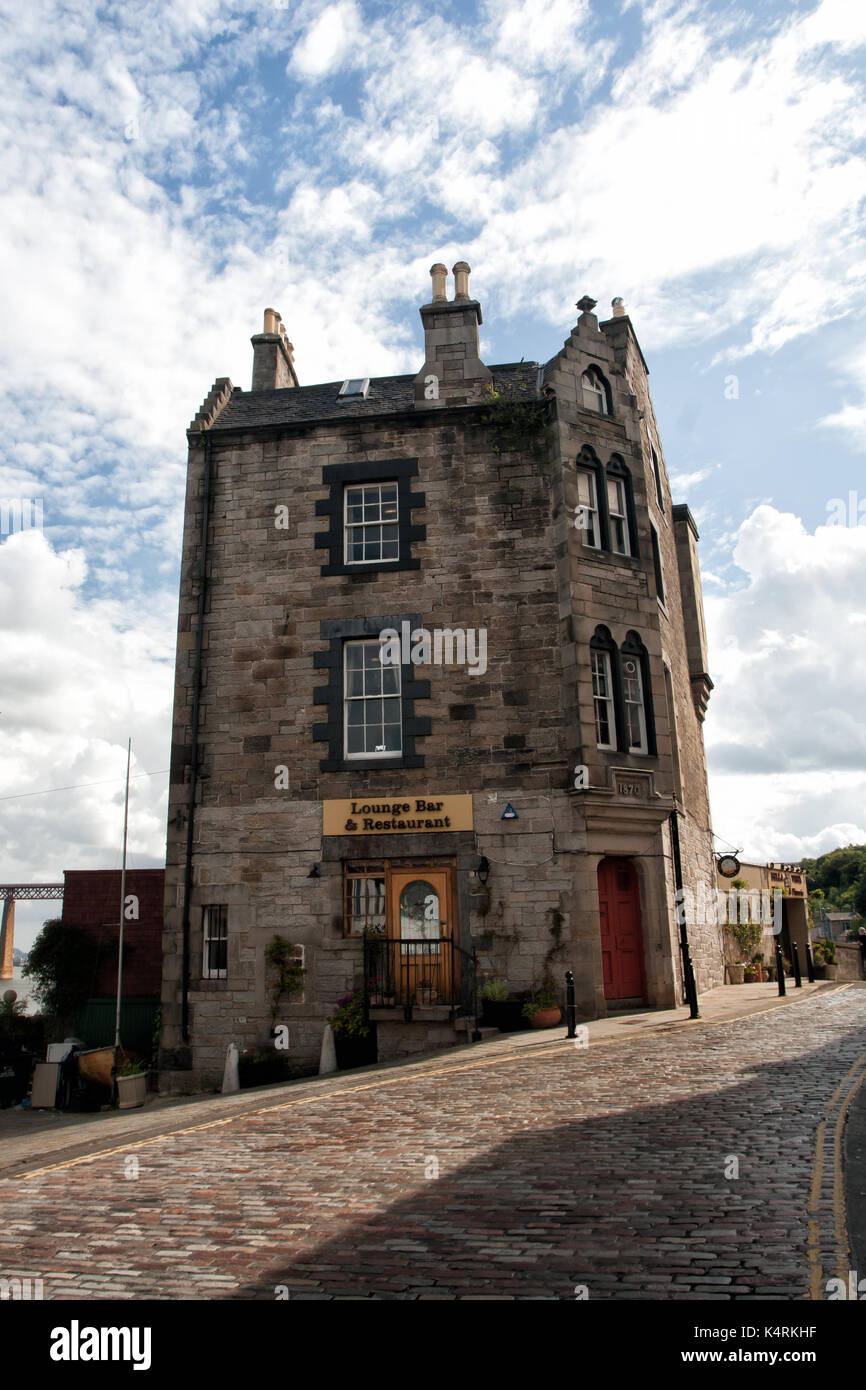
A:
x: 122, y: 899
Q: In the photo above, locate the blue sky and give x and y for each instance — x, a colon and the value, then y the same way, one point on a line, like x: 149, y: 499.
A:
x: 171, y: 169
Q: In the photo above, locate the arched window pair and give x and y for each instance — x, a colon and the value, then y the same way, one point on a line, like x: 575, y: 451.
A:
x: 595, y: 392
x: 605, y: 498
x: 621, y: 694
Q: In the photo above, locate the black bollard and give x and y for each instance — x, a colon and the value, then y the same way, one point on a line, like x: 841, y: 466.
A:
x: 570, y: 1011
x: 780, y: 968
x: 810, y: 964
x: 795, y: 957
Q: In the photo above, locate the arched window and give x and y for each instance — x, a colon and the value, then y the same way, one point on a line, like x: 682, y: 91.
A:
x: 596, y: 391
x: 639, y: 724
x: 603, y: 664
x: 657, y: 474
x: 591, y: 515
x: 619, y: 496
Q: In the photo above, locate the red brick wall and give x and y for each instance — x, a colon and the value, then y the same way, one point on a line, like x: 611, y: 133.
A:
x: 91, y: 900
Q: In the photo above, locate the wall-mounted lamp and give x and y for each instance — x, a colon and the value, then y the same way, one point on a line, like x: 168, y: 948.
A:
x: 482, y: 869
x: 314, y: 872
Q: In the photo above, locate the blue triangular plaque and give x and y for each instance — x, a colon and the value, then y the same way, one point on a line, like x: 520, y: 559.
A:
x: 509, y: 813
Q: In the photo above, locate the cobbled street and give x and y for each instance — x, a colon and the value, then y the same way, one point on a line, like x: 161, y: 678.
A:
x: 503, y: 1171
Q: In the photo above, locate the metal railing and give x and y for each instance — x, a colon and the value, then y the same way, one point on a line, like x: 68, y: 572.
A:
x: 418, y: 972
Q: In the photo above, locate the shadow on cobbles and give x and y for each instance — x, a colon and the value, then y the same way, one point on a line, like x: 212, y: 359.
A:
x: 612, y: 1182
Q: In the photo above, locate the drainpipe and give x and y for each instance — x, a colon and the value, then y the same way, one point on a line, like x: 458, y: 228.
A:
x: 688, y: 970
x: 194, y: 718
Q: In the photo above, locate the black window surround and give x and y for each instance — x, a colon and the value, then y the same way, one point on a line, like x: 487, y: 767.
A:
x: 589, y: 461
x: 336, y: 632
x: 337, y: 476
x: 602, y: 640
x: 657, y: 475
x: 657, y: 565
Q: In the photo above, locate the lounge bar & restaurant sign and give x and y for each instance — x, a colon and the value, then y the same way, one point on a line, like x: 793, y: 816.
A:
x: 398, y: 815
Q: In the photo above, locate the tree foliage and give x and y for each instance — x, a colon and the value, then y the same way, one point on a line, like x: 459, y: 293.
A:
x: 62, y: 964
x: 841, y: 877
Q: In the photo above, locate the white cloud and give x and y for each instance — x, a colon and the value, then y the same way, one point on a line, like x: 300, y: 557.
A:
x: 331, y: 38
x: 83, y: 679
x: 786, y: 742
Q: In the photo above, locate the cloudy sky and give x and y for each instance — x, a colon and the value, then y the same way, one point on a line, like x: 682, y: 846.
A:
x: 171, y: 167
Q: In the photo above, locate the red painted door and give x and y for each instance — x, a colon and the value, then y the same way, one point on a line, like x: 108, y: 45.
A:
x: 621, y: 934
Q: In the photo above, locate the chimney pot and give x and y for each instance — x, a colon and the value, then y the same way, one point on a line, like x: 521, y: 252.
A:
x: 618, y: 306
x: 273, y: 361
x: 461, y: 280
x: 439, y: 273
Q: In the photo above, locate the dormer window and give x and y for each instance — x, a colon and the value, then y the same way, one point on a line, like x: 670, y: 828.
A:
x: 355, y: 386
x: 596, y: 392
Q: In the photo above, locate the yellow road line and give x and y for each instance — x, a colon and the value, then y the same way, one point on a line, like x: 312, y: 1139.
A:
x: 448, y: 1069
x: 853, y: 1078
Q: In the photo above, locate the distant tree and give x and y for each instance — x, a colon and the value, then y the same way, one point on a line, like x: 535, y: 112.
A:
x: 841, y: 876
x: 62, y: 964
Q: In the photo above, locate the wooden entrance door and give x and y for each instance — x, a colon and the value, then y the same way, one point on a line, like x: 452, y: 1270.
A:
x: 621, y: 932
x: 421, y: 929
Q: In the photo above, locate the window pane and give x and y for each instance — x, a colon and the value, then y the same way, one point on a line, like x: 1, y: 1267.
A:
x: 355, y: 740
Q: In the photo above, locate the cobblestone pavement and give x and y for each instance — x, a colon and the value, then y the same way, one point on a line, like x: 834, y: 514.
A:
x: 528, y: 1172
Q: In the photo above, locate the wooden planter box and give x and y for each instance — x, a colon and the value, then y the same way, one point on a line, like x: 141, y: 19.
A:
x: 826, y: 972
x: 131, y: 1091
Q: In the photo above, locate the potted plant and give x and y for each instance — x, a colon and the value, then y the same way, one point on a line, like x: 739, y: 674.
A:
x: 354, y: 1035
x: 131, y: 1085
x: 825, y: 959
x: 758, y: 963
x: 745, y: 939
x: 288, y: 973
x: 750, y: 973
x: 542, y: 1009
x: 500, y: 1009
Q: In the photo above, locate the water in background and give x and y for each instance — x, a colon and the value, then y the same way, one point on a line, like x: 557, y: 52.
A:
x: 23, y: 987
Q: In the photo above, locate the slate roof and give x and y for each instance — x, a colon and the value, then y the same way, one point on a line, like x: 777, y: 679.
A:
x: 388, y: 395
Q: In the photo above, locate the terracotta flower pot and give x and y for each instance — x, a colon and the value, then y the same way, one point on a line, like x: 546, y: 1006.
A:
x: 545, y: 1018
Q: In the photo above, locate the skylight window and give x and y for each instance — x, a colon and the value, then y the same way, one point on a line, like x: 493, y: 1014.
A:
x: 355, y: 386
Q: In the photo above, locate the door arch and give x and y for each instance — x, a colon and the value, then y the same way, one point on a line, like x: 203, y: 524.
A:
x: 621, y: 930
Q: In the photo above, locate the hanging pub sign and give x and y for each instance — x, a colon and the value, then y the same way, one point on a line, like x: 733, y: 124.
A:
x: 728, y: 866
x: 397, y: 815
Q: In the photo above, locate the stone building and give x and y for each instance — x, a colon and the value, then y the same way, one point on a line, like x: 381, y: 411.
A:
x: 441, y: 677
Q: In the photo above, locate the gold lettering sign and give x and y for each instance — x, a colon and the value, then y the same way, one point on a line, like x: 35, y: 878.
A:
x: 396, y: 815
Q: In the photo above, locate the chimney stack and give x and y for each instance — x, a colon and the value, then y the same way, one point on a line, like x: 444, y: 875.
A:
x: 618, y: 307
x: 453, y: 371
x: 273, y: 356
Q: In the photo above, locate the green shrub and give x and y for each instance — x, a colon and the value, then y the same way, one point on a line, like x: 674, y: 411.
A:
x: 495, y: 989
